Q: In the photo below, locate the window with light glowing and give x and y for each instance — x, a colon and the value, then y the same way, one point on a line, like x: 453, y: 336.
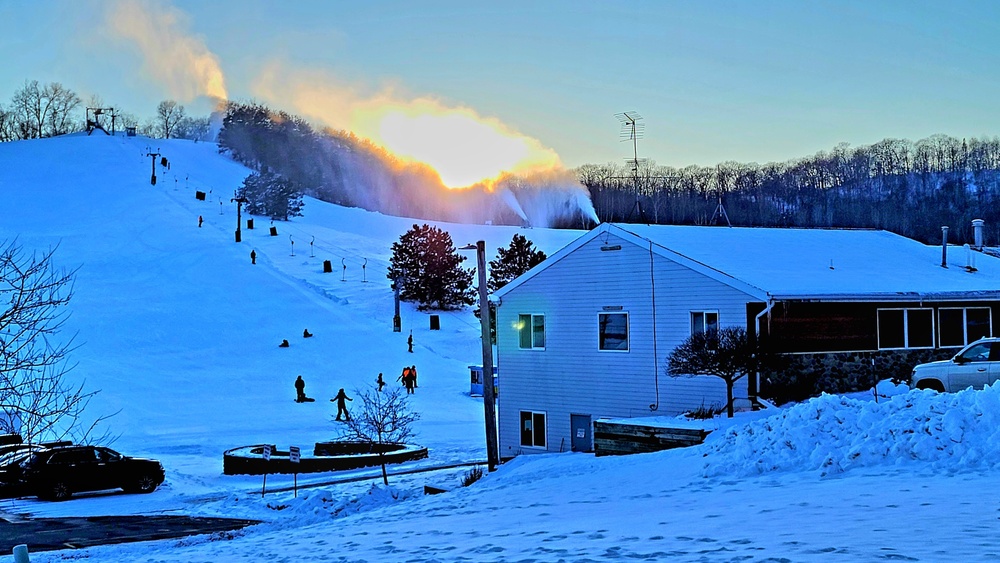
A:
x: 531, y: 332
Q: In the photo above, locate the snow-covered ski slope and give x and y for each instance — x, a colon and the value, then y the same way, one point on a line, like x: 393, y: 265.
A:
x: 179, y: 332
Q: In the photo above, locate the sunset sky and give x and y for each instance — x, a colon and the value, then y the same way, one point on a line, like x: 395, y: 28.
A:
x: 715, y: 81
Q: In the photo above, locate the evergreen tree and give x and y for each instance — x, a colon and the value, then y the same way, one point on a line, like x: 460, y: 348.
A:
x: 271, y: 194
x: 510, y: 263
x: 513, y: 261
x: 428, y: 270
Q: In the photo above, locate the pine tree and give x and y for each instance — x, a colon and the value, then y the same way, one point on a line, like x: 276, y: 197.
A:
x: 271, y: 194
x: 513, y: 261
x: 427, y: 268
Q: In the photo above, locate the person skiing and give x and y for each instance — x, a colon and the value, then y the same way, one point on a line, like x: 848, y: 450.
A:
x: 380, y: 382
x: 409, y: 342
x: 300, y: 390
x: 253, y: 256
x: 200, y: 221
x: 341, y: 405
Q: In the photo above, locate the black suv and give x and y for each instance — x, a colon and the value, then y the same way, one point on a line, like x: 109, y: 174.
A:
x: 57, y: 473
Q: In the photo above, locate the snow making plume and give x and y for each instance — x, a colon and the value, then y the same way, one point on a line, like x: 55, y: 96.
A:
x: 171, y: 55
x: 465, y: 148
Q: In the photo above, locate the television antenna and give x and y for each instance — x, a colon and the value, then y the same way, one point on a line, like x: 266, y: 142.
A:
x: 633, y: 130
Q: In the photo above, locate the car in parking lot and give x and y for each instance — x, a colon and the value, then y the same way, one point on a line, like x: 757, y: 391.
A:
x: 977, y: 365
x: 57, y: 473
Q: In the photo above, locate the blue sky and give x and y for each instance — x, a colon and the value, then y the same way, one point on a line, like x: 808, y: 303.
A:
x: 715, y: 81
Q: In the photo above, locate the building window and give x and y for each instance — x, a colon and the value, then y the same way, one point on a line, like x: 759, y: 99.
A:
x: 613, y: 332
x: 960, y: 326
x: 531, y: 332
x: 704, y: 322
x: 905, y: 328
x: 532, y: 429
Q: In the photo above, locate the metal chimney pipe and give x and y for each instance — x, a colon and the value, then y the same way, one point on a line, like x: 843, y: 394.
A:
x: 977, y: 233
x: 944, y: 247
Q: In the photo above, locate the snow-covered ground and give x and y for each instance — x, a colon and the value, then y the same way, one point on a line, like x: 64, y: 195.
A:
x: 179, y: 332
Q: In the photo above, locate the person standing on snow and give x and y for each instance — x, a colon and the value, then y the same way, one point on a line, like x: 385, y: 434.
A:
x: 300, y: 390
x: 380, y: 382
x: 341, y: 405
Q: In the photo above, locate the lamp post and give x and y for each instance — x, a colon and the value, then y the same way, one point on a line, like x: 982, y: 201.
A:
x: 489, y: 400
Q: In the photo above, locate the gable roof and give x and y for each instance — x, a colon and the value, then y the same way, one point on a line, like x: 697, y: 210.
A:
x: 809, y: 264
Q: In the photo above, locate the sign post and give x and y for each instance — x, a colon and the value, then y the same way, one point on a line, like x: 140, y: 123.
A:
x: 294, y: 455
x: 267, y: 457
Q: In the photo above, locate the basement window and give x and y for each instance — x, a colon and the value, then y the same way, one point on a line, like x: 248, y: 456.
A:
x: 613, y: 332
x: 959, y: 326
x: 531, y: 332
x: 532, y: 429
x: 905, y: 328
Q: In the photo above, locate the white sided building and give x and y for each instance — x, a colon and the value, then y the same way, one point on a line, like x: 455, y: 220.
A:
x: 586, y: 334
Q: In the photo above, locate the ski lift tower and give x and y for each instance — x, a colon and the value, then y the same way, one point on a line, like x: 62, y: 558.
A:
x: 632, y: 130
x: 94, y: 120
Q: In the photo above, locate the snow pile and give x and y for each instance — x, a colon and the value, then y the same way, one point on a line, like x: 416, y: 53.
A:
x: 833, y: 434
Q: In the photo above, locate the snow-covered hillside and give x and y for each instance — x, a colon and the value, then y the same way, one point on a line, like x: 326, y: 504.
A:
x: 179, y: 332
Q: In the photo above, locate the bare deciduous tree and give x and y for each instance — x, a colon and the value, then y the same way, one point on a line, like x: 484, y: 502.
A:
x: 382, y: 418
x: 725, y: 353
x: 168, y: 114
x: 44, y: 111
x: 36, y: 399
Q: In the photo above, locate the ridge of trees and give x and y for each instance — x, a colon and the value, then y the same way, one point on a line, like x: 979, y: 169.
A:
x: 910, y: 188
x: 37, y: 110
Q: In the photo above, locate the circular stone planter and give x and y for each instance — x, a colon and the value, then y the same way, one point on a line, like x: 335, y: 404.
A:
x: 326, y: 456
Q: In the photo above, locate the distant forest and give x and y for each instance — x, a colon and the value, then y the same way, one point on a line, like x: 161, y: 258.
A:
x: 910, y: 188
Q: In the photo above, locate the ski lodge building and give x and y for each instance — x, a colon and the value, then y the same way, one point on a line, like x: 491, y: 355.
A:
x: 586, y: 334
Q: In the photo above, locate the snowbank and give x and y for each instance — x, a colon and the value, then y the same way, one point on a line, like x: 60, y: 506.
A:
x: 948, y: 432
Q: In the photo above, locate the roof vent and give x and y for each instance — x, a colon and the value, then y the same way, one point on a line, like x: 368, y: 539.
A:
x: 977, y: 233
x: 944, y: 247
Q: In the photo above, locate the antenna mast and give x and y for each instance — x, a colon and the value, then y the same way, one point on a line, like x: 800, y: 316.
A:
x: 632, y: 130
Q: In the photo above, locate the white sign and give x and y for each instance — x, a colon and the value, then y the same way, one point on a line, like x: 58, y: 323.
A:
x: 267, y: 453
x: 293, y: 454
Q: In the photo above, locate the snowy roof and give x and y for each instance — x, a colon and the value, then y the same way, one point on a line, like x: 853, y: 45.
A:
x: 820, y: 264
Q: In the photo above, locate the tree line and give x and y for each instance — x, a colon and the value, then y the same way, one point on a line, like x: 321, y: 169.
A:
x: 910, y: 188
x: 37, y: 111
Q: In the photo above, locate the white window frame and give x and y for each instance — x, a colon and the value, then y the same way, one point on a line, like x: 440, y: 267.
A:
x: 703, y: 313
x: 545, y: 430
x: 628, y: 332
x: 531, y: 330
x: 906, y: 326
x: 965, y: 324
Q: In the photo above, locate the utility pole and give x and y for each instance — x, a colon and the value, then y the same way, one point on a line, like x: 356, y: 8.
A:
x: 489, y: 399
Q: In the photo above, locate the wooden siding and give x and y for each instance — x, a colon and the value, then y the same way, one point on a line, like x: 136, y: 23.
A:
x: 797, y: 327
x: 618, y: 438
x: 571, y: 375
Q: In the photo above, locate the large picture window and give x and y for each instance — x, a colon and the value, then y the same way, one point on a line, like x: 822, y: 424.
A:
x: 531, y: 331
x: 905, y: 328
x: 613, y: 332
x: 960, y: 326
x: 533, y: 429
